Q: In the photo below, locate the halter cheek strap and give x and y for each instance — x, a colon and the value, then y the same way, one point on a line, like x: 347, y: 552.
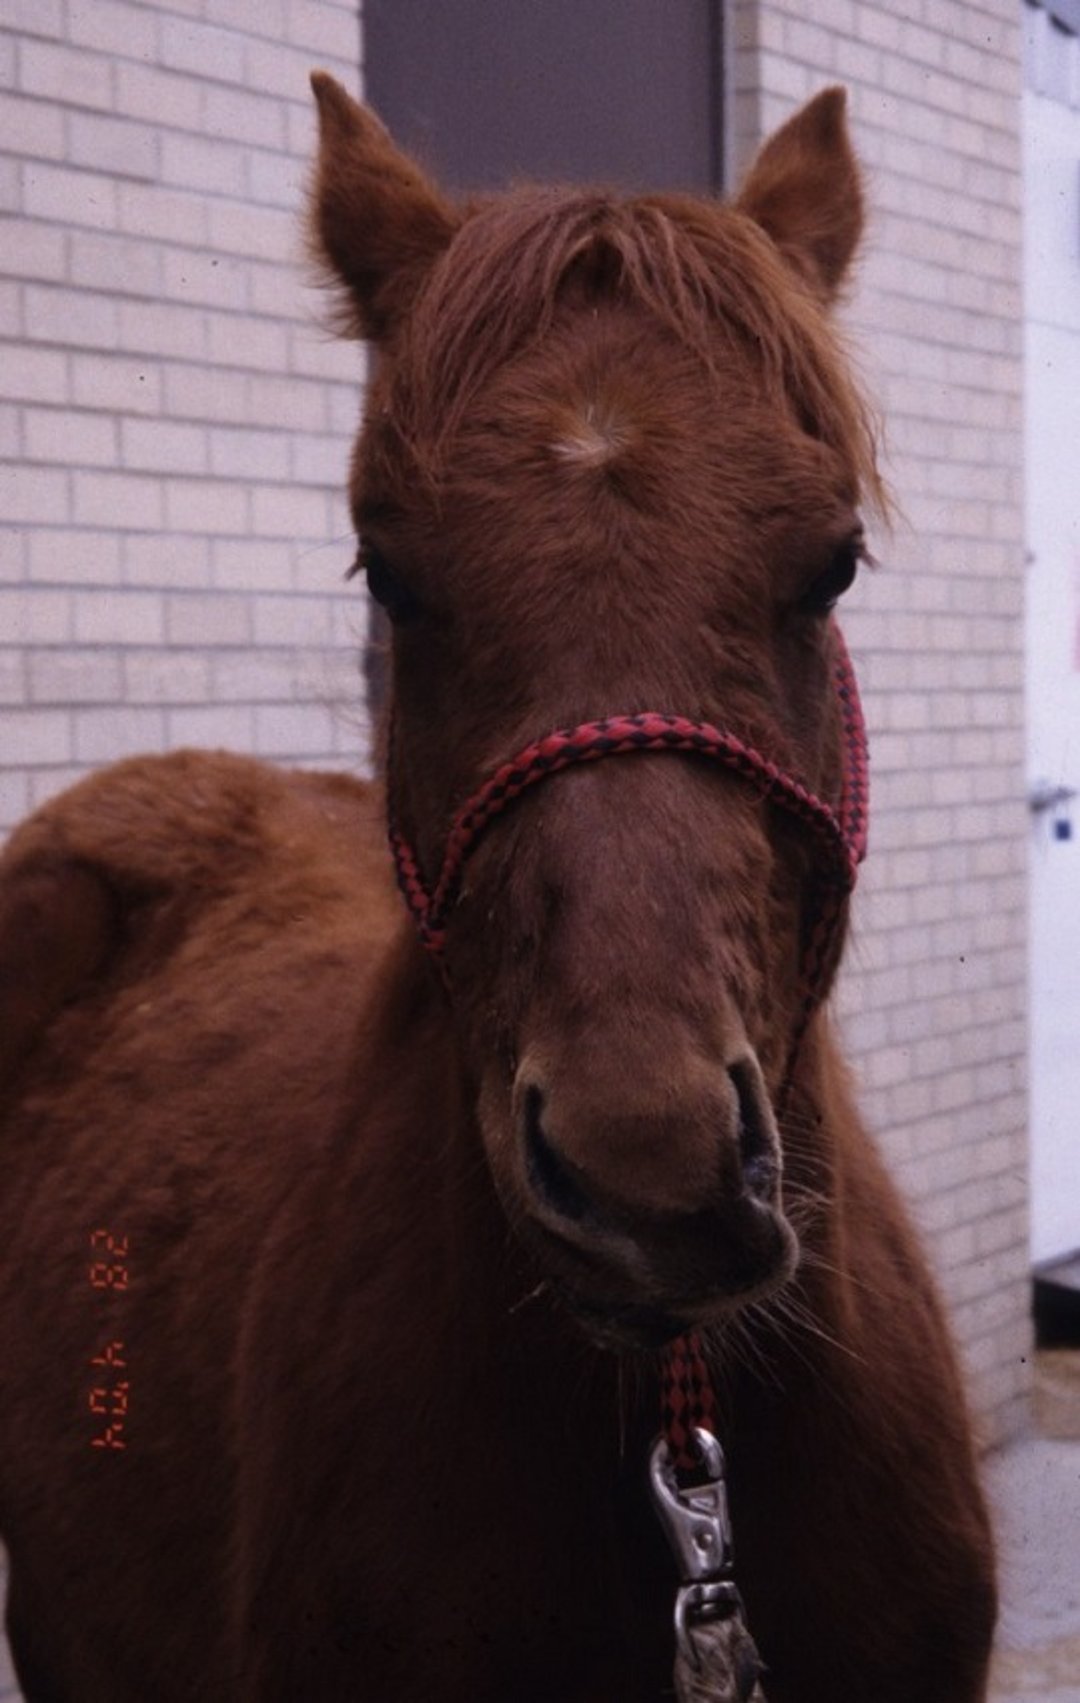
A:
x: 839, y: 835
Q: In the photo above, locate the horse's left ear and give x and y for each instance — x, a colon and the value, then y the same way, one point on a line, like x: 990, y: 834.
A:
x: 375, y: 218
x: 804, y: 190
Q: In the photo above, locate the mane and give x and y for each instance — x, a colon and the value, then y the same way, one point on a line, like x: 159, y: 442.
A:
x: 704, y: 272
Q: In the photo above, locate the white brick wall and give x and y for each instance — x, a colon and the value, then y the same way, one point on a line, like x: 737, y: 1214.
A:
x: 933, y: 1000
x: 175, y: 426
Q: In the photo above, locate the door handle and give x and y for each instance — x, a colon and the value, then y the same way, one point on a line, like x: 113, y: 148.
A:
x: 1045, y: 796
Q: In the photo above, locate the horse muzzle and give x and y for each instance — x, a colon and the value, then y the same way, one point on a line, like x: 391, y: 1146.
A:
x: 649, y: 1220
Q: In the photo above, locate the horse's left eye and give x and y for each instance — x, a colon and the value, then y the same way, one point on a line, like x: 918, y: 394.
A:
x: 385, y: 584
x: 827, y: 590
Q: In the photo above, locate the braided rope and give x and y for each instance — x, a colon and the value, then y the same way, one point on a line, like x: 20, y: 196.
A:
x: 618, y: 736
x: 687, y: 1399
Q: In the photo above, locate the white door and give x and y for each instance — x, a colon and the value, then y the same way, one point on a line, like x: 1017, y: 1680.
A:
x: 1052, y: 448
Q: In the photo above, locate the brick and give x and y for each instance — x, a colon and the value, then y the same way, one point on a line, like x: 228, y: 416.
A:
x: 217, y: 280
x: 60, y: 677
x: 47, y: 783
x: 118, y: 617
x: 10, y: 434
x: 195, y: 393
x: 263, y: 232
x: 166, y: 677
x: 117, y: 499
x: 278, y: 291
x: 249, y: 454
x: 156, y: 328
x: 276, y: 179
x: 65, y: 74
x: 344, y: 403
x: 104, y: 735
x: 237, y: 340
x: 210, y: 166
x: 300, y: 401
x: 118, y: 382
x: 13, y: 553
x: 70, y: 197
x: 293, y: 729
x: 66, y: 556
x: 255, y: 676
x: 321, y: 29
x: 112, y: 27
x: 205, y: 505
x: 118, y: 264
x: 169, y: 215
x: 37, y: 126
x: 245, y: 116
x: 228, y: 726
x: 248, y: 564
x: 209, y: 620
x: 16, y: 796
x: 12, y: 677
x: 315, y: 355
x: 78, y: 317
x: 31, y: 250
x: 163, y: 446
x: 268, y: 19
x: 34, y: 17
x: 163, y: 97
x: 288, y: 512
x: 216, y: 54
x: 37, y: 736
x: 33, y: 494
x: 172, y: 560
x: 118, y: 146
x: 282, y: 70
x: 31, y: 617
x: 75, y: 439
x: 292, y: 621
x: 321, y: 460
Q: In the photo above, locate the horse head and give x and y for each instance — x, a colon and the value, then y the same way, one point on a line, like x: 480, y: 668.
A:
x: 612, y: 467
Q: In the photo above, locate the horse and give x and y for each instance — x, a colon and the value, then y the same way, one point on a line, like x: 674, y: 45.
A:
x: 345, y: 1239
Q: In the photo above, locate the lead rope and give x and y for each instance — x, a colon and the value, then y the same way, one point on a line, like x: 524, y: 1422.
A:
x: 715, y: 1657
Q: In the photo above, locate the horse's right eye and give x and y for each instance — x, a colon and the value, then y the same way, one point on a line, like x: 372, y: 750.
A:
x: 386, y: 585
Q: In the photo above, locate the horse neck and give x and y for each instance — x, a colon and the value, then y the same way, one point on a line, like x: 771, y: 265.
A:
x: 840, y: 1195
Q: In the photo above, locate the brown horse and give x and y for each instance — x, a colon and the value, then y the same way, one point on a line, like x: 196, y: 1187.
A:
x: 334, y: 1272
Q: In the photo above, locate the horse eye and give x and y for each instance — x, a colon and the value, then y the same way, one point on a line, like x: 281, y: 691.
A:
x: 839, y: 576
x: 385, y: 584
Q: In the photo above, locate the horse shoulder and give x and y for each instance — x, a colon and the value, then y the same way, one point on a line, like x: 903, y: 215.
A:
x: 102, y: 884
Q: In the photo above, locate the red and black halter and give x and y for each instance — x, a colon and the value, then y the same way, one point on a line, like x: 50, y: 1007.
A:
x: 840, y: 834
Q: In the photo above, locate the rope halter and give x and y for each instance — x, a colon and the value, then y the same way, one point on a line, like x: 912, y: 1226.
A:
x: 840, y: 834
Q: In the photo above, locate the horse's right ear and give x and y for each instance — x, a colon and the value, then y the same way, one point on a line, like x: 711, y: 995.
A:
x: 804, y: 190
x: 376, y: 220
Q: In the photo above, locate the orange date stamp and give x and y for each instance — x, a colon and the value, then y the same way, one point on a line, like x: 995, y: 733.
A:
x: 108, y: 1399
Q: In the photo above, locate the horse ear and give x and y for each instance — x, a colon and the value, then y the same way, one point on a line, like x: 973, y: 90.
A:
x: 804, y: 190
x: 376, y: 220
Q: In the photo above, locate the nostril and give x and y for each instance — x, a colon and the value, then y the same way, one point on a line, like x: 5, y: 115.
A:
x: 758, y: 1147
x: 548, y: 1174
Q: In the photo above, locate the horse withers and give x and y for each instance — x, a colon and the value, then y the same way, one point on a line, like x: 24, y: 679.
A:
x: 341, y: 1245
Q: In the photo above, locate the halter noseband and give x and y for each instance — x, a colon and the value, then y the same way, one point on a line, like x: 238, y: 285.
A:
x: 687, y: 1400
x: 840, y: 833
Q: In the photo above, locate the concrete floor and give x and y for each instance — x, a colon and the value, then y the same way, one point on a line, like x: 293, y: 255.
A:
x: 1035, y: 1489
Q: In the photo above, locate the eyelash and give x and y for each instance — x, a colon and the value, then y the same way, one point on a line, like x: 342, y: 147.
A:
x: 827, y: 590
x: 384, y: 584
